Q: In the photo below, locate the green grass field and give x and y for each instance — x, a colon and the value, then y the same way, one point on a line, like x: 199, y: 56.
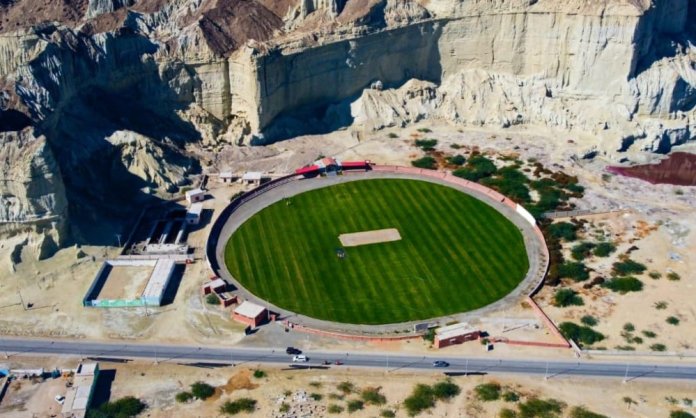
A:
x: 456, y: 253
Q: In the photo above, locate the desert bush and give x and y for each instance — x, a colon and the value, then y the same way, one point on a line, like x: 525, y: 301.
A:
x: 488, y: 391
x: 673, y: 276
x: 658, y: 347
x: 655, y: 275
x: 316, y: 396
x: 424, y: 130
x: 211, y: 299
x: 649, y: 334
x: 284, y: 407
x: 589, y: 320
x: 672, y: 320
x: 507, y: 413
x: 511, y: 396
x: 563, y: 230
x: 392, y: 135
x: 183, y: 397
x: 542, y: 408
x: 426, y: 162
x: 128, y: 406
x: 582, y: 412
x: 629, y: 327
x: 202, y: 390
x: 346, y: 387
x: 355, y: 405
x: 624, y: 284
x: 387, y: 413
x: 581, y: 251
x: 581, y: 334
x: 239, y: 405
x: 604, y: 249
x: 445, y: 390
x: 372, y: 396
x: 334, y: 409
x: 660, y: 305
x: 626, y: 267
x: 456, y: 159
x: 421, y: 398
x: 259, y: 374
x: 426, y: 144
x: 573, y: 270
x: 567, y: 297
x: 680, y: 414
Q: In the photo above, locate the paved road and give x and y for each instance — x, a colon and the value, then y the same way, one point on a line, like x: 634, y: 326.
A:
x: 12, y: 348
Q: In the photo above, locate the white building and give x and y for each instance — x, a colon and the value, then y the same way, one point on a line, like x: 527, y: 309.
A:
x: 195, y: 195
x: 79, y: 395
x: 193, y: 213
x: 252, y: 177
x: 158, y: 282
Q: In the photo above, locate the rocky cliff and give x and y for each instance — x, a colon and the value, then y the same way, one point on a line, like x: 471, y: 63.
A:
x: 111, y: 83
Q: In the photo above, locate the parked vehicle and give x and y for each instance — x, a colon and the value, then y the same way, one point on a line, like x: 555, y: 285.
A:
x: 60, y: 399
x: 300, y: 358
x: 293, y: 351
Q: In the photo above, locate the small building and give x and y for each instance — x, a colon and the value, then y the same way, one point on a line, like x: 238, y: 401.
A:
x: 158, y: 282
x: 455, y: 334
x: 226, y: 177
x: 193, y: 213
x: 195, y: 195
x: 80, y: 394
x: 252, y: 177
x: 216, y: 285
x: 250, y: 314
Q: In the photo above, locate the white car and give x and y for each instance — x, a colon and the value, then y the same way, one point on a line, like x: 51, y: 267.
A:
x: 60, y: 399
x: 301, y: 358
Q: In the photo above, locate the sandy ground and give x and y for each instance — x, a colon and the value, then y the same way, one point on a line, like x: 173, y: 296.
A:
x: 56, y: 286
x: 126, y: 282
x: 157, y: 386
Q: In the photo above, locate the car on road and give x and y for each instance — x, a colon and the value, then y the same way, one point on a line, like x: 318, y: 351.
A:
x: 293, y: 350
x: 440, y: 363
x: 300, y: 358
x: 60, y: 399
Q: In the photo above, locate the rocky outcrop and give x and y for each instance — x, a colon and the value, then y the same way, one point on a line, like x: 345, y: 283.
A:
x: 32, y: 194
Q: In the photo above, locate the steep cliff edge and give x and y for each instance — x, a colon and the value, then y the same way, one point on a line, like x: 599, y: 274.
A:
x: 127, y: 91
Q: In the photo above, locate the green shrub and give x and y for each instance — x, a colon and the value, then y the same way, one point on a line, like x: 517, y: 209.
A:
x: 477, y: 168
x: 456, y: 159
x: 660, y: 305
x: 573, y: 270
x: 426, y: 144
x: 387, y: 413
x: 624, y: 284
x: 424, y: 130
x: 624, y: 268
x: 259, y: 374
x: 567, y: 297
x: 392, y: 135
x: 183, y: 397
x: 371, y: 396
x: 582, y: 250
x: 488, y: 392
x: 334, y: 409
x: 649, y: 334
x: 346, y: 387
x: 625, y: 348
x: 128, y: 406
x: 582, y: 412
x: 426, y: 162
x: 673, y: 276
x: 239, y: 405
x: 315, y: 384
x: 284, y: 407
x: 589, y: 320
x: 445, y: 390
x: 563, y: 230
x: 604, y: 249
x: 421, y: 398
x: 672, y: 320
x: 655, y: 275
x: 316, y: 396
x: 212, y: 299
x: 629, y: 327
x: 541, y: 408
x: 511, y: 396
x: 507, y: 413
x: 658, y: 347
x: 580, y: 334
x: 202, y: 390
x: 355, y: 405
x: 680, y: 414
x: 429, y: 335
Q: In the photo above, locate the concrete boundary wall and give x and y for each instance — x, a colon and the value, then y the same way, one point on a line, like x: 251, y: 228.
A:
x: 251, y: 202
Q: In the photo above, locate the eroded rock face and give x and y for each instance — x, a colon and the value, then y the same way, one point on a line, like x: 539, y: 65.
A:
x: 131, y: 83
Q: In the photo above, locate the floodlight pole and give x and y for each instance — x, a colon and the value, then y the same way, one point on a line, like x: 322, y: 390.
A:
x: 626, y: 375
x: 118, y: 236
x: 546, y: 375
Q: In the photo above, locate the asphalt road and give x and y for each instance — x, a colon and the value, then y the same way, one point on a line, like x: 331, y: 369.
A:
x: 11, y: 348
